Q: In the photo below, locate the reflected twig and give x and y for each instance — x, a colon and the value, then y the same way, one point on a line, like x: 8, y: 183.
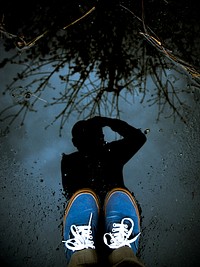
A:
x: 167, y: 96
x: 154, y: 41
x: 90, y: 11
x: 20, y: 42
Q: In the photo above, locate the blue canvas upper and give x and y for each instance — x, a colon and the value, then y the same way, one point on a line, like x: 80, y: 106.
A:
x: 80, y: 222
x: 122, y: 220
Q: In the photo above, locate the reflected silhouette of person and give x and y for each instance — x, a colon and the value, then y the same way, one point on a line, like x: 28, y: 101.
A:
x: 98, y: 164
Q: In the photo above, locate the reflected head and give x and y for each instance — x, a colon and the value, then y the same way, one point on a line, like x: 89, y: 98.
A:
x: 87, y: 135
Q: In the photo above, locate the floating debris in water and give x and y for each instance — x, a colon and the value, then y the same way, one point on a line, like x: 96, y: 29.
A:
x: 146, y: 131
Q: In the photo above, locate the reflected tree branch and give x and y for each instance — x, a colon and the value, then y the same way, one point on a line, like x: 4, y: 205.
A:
x: 99, y: 62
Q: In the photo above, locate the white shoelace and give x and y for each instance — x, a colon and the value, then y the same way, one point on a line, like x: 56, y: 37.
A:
x: 120, y: 234
x: 82, y: 237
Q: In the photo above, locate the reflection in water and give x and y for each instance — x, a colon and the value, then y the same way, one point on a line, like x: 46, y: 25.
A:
x: 99, y: 164
x: 100, y: 52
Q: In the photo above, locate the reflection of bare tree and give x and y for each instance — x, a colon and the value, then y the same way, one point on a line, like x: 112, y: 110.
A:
x: 101, y: 57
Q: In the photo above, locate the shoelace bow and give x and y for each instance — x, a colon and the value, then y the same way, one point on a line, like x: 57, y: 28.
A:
x: 82, y: 237
x: 120, y: 234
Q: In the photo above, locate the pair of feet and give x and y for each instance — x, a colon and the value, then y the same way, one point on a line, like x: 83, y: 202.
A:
x: 122, y: 221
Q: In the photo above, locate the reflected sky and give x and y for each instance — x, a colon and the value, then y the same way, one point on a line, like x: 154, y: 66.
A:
x: 164, y: 175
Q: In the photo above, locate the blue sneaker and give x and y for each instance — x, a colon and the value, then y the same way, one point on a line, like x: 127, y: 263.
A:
x: 80, y: 222
x: 122, y: 220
